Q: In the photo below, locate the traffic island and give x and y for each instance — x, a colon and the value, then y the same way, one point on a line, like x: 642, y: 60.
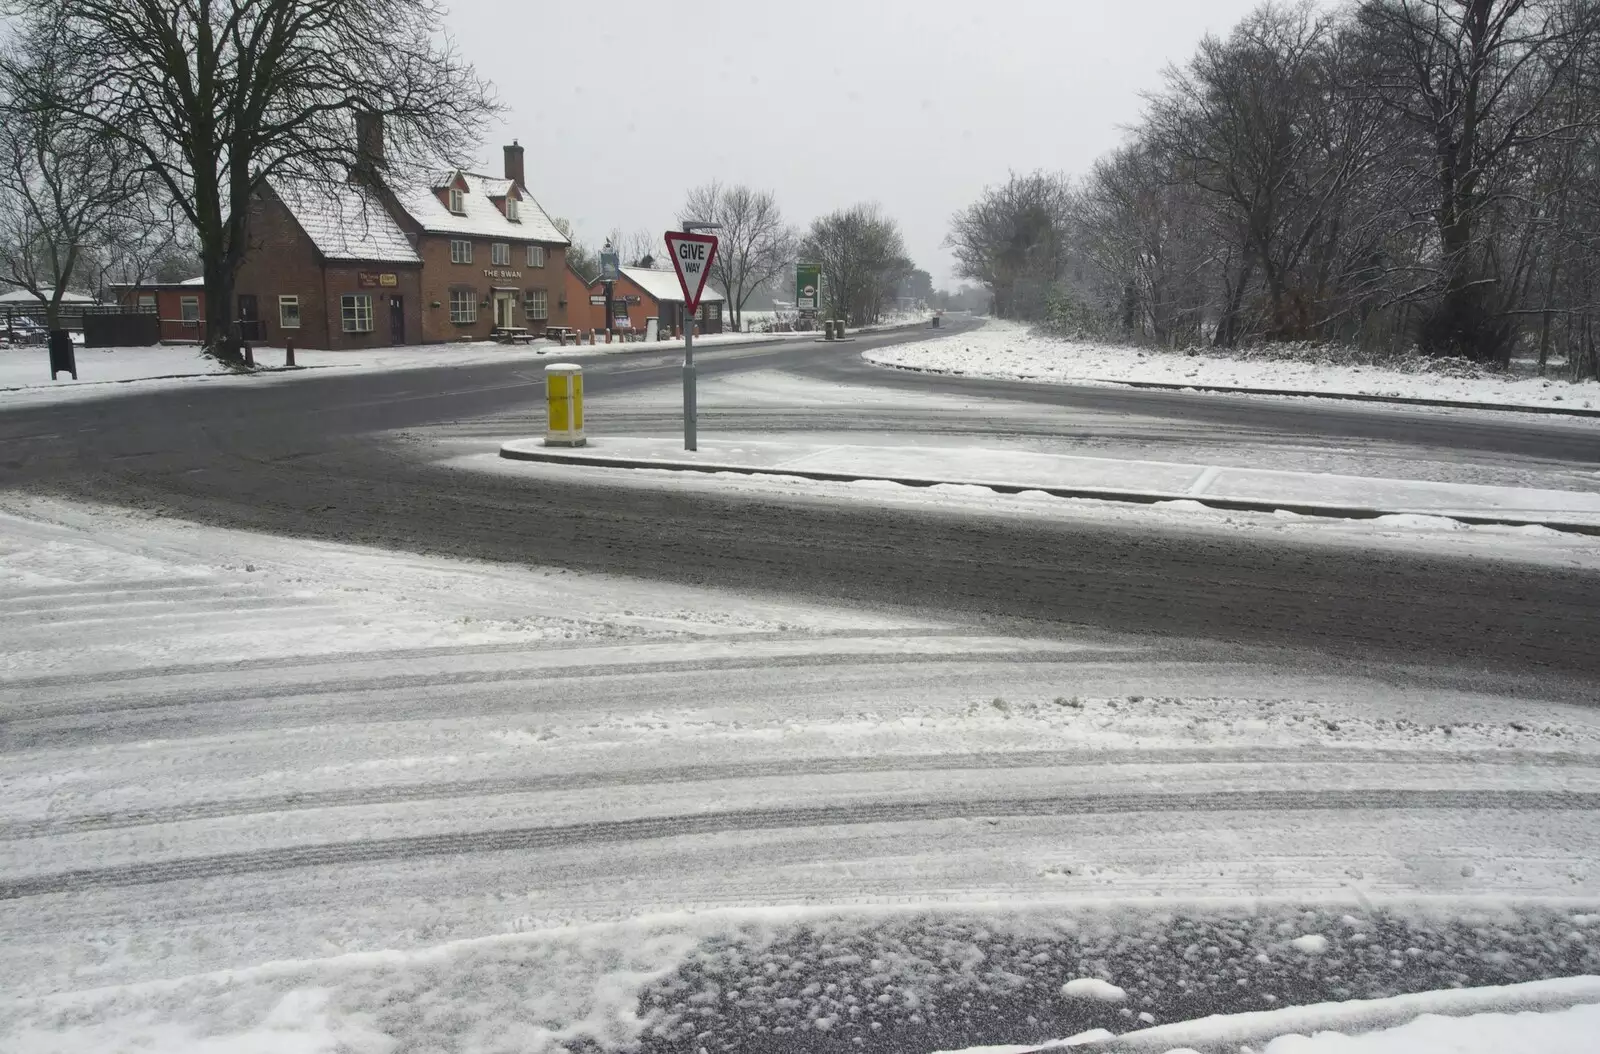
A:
x: 1006, y: 471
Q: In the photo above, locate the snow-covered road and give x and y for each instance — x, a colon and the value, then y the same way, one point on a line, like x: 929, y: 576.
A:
x: 222, y: 750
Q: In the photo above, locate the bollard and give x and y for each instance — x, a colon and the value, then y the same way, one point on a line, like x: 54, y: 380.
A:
x: 838, y: 329
x: 249, y: 357
x: 827, y: 329
x: 563, y: 382
x: 591, y: 338
x: 63, y: 356
x: 562, y: 337
x: 608, y: 336
x: 288, y: 352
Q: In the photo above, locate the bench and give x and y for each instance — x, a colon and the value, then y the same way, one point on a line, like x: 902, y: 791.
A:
x: 561, y: 334
x: 511, y: 335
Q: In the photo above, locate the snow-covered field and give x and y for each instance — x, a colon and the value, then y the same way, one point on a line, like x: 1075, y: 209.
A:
x: 1011, y: 351
x: 272, y: 795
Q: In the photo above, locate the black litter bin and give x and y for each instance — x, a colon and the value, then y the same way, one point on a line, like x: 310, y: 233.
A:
x: 62, y: 355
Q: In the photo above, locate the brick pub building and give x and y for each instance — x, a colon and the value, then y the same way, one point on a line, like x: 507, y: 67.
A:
x: 369, y: 264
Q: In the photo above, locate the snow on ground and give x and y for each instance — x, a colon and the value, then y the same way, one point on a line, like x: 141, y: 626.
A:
x: 1012, y: 351
x: 1401, y: 533
x: 278, y: 795
x: 750, y: 402
x: 1411, y: 503
x: 1560, y: 1016
x: 1570, y: 1031
x: 25, y: 373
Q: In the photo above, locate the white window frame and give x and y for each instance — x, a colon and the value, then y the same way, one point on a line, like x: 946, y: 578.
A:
x: 355, y: 312
x: 458, y: 201
x: 147, y: 300
x: 464, y: 306
x: 285, y: 303
x: 460, y: 250
x: 513, y: 209
x: 536, y: 302
x: 535, y: 256
x: 189, y: 308
x: 500, y: 254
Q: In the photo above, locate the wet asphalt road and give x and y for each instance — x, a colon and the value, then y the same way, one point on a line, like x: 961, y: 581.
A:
x: 317, y: 458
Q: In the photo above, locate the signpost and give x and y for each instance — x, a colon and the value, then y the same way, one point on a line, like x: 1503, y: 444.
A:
x: 807, y: 287
x: 692, y: 255
x: 610, y: 271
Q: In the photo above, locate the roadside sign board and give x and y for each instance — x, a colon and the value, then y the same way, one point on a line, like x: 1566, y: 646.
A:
x: 807, y: 284
x: 597, y: 299
x: 610, y: 266
x: 692, y: 255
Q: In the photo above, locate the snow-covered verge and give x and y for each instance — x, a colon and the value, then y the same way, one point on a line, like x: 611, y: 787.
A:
x: 1012, y: 351
x: 807, y: 978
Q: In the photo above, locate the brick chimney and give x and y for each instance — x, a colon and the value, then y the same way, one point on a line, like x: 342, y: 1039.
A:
x: 369, y: 140
x: 514, y: 163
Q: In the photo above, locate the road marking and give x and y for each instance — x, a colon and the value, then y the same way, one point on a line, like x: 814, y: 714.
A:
x: 1208, y: 477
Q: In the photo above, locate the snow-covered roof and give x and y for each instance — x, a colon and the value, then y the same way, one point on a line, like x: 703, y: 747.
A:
x: 345, y: 221
x: 482, y: 219
x: 663, y: 283
x: 198, y: 279
x: 22, y: 296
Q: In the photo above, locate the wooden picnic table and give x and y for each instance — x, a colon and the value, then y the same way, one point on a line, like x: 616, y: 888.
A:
x: 511, y: 335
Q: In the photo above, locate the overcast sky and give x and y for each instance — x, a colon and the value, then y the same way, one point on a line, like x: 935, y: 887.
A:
x: 916, y: 104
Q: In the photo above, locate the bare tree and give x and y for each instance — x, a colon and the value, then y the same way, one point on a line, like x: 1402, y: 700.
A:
x: 863, y: 259
x: 755, y: 245
x: 72, y: 196
x: 582, y: 258
x: 1013, y: 239
x: 637, y: 248
x: 215, y: 96
x: 1473, y: 77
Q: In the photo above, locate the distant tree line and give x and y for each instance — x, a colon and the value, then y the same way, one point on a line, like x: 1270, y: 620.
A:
x: 1399, y: 173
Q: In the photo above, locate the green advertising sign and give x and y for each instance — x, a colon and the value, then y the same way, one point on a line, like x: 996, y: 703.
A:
x: 807, y: 286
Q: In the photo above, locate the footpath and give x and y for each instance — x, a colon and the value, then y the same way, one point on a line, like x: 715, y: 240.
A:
x: 1071, y: 476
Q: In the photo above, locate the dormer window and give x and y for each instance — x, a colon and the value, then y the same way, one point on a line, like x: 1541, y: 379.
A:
x: 511, y: 210
x: 458, y: 204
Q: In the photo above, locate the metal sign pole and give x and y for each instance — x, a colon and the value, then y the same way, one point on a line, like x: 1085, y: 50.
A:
x: 692, y: 257
x: 689, y: 407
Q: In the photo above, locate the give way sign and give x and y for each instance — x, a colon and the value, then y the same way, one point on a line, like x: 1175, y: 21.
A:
x: 691, y: 258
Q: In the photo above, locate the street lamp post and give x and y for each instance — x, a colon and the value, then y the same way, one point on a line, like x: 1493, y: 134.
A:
x: 691, y: 413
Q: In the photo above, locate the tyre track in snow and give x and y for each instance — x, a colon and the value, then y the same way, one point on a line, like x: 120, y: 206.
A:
x: 565, y: 837
x: 316, y: 458
x: 346, y: 797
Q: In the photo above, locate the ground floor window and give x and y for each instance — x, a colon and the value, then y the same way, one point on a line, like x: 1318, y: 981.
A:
x: 289, y: 312
x: 464, y: 306
x: 356, y: 310
x: 189, y: 308
x: 147, y: 302
x: 537, y: 301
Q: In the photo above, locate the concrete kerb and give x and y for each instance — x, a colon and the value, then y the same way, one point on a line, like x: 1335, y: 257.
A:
x: 517, y: 451
x: 1295, y: 393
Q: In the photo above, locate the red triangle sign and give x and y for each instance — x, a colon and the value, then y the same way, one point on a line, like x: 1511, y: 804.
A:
x: 691, y: 258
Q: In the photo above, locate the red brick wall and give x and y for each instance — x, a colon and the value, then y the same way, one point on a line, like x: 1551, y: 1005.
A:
x: 169, y: 309
x: 284, y: 262
x: 439, y: 276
